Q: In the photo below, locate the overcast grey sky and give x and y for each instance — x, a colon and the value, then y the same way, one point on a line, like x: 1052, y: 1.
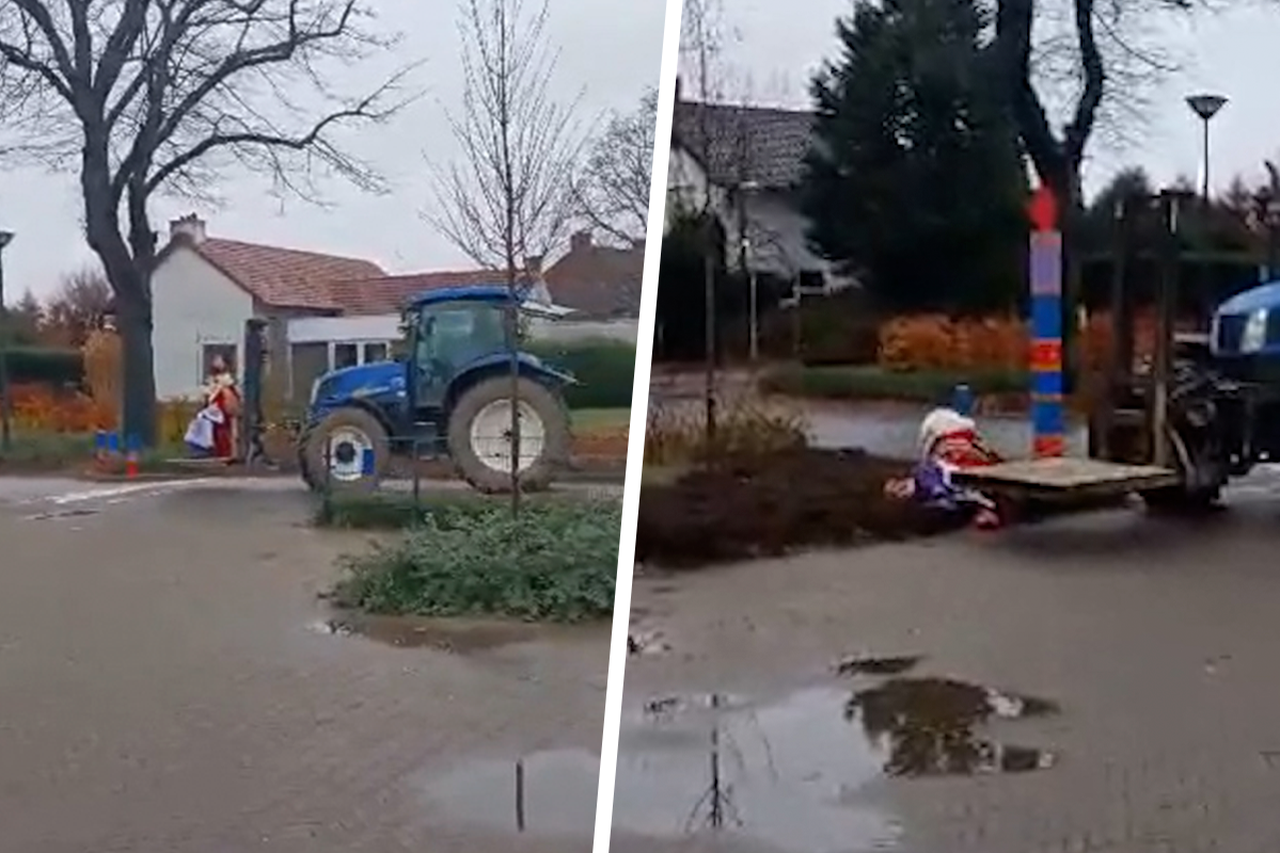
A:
x: 613, y: 50
x: 777, y: 44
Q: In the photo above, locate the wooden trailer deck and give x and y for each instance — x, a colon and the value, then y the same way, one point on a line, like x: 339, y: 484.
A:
x: 1066, y: 476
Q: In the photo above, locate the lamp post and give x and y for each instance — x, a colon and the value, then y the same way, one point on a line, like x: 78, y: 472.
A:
x: 1206, y: 107
x: 6, y: 400
x: 744, y: 247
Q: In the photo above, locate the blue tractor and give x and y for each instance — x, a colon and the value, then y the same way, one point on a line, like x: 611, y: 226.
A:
x: 449, y: 396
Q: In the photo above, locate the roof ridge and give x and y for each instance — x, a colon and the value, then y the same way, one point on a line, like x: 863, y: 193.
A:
x: 274, y: 248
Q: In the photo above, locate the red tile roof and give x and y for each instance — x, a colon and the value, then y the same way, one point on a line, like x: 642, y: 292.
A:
x: 285, y: 278
x: 292, y: 278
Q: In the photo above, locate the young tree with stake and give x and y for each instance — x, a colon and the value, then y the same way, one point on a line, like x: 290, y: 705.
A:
x: 143, y: 97
x: 509, y: 196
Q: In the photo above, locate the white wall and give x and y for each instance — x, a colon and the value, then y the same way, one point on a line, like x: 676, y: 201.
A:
x: 386, y: 327
x: 568, y: 331
x: 193, y: 304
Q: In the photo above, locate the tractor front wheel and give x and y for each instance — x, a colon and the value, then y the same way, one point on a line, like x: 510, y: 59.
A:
x: 347, y: 450
x: 480, y: 440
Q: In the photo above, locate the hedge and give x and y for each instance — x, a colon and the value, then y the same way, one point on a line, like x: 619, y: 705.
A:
x: 603, y: 368
x: 870, y: 382
x: 45, y: 366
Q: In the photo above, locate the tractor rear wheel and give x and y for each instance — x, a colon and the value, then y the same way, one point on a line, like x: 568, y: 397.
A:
x: 480, y: 435
x: 335, y: 452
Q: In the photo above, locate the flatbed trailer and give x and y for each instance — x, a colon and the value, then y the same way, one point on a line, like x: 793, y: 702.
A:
x: 1065, y: 478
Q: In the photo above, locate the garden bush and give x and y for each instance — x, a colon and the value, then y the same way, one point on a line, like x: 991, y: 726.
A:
x: 746, y: 426
x: 556, y: 561
x: 604, y: 368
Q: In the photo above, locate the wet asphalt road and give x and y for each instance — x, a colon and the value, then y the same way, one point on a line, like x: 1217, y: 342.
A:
x: 167, y: 687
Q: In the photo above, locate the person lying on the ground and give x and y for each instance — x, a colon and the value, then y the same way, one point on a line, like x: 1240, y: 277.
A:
x: 949, y: 441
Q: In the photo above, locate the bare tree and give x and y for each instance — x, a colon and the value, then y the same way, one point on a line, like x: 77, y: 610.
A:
x: 150, y: 96
x: 700, y: 45
x: 77, y: 308
x: 612, y: 191
x: 1094, y: 64
x: 510, y: 195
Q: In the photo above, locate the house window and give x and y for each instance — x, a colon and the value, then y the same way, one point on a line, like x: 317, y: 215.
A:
x: 209, y: 353
x: 345, y: 355
x: 374, y: 352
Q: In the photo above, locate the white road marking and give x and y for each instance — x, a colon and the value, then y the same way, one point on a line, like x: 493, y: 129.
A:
x: 118, y: 493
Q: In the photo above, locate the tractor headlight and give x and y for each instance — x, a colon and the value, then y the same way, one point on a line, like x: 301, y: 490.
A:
x: 1254, y: 336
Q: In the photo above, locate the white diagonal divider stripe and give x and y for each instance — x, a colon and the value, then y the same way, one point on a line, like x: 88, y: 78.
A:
x: 639, y: 420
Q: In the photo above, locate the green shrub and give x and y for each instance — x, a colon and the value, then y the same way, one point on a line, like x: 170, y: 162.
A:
x: 45, y: 366
x: 605, y: 370
x: 869, y: 382
x: 556, y: 561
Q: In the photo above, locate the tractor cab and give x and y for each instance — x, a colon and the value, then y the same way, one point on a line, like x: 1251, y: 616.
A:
x: 449, y: 393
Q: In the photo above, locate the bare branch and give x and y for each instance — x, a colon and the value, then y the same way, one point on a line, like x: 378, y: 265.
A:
x: 510, y: 194
x: 612, y: 191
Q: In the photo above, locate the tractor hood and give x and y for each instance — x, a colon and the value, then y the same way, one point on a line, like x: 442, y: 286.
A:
x: 377, y: 380
x: 532, y: 362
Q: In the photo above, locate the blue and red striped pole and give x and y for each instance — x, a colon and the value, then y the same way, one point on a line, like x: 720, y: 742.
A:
x: 1046, y: 328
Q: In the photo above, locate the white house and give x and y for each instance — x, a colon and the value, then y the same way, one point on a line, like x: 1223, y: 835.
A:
x: 745, y: 164
x: 325, y: 311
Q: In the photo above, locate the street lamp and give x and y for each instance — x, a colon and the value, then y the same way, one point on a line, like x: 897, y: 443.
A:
x: 6, y: 400
x: 1206, y: 107
x: 744, y: 247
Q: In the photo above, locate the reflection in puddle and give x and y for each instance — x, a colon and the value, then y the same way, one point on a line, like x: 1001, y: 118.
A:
x: 794, y: 775
x: 929, y: 727
x: 457, y: 636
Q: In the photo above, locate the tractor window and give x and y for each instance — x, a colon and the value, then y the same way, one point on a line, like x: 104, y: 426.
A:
x: 466, y: 331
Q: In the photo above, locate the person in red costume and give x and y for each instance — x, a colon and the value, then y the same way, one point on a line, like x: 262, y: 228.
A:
x: 221, y: 394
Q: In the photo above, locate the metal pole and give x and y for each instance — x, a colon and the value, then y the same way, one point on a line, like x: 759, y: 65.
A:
x: 755, y: 323
x: 6, y: 398
x: 709, y: 331
x: 1204, y: 186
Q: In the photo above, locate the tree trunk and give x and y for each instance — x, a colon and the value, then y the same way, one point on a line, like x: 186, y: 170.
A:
x: 138, y: 407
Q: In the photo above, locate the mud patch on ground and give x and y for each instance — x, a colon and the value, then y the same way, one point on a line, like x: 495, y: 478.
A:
x: 868, y: 665
x: 768, y: 505
x: 455, y: 636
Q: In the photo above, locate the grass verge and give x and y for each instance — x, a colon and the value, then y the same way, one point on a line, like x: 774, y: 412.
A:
x: 557, y: 562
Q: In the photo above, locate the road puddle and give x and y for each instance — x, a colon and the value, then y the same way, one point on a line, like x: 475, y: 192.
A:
x: 456, y: 636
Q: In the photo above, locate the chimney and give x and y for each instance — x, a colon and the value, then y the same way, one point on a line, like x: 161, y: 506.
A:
x: 580, y: 241
x: 189, y: 227
x: 533, y: 266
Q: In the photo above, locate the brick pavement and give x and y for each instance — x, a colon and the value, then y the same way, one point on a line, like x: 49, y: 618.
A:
x: 162, y: 690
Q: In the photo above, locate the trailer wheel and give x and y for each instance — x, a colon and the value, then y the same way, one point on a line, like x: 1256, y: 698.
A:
x: 334, y: 452
x: 480, y: 435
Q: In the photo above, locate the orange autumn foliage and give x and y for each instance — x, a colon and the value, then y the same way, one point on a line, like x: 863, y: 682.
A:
x: 938, y: 342
x: 37, y: 408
